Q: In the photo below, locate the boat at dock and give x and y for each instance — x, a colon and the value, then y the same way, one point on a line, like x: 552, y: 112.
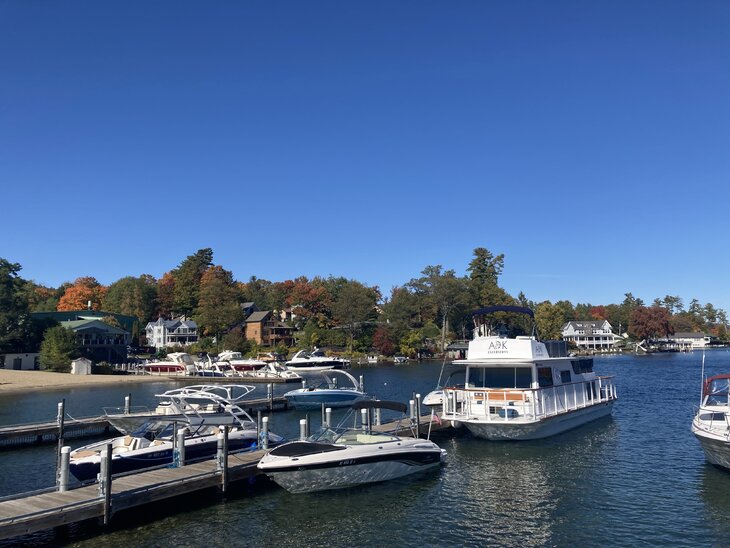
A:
x: 316, y: 360
x: 203, y: 410
x: 521, y: 388
x: 347, y: 455
x: 271, y: 371
x: 711, y: 422
x: 335, y: 389
x: 176, y: 363
x: 238, y: 362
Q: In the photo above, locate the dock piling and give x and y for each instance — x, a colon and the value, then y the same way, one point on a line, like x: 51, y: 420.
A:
x: 180, y: 448
x: 60, y: 421
x: 364, y: 419
x: 328, y: 417
x: 265, y: 433
x: 302, y: 429
x: 378, y: 420
x: 105, y: 481
x: 270, y: 395
x: 418, y: 415
x: 63, y: 473
x: 127, y: 404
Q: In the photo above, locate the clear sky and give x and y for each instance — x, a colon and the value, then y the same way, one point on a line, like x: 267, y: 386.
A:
x: 587, y: 141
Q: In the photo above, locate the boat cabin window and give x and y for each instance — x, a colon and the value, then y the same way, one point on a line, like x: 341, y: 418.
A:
x: 565, y: 376
x: 583, y: 365
x: 500, y: 377
x: 717, y: 392
x: 544, y: 376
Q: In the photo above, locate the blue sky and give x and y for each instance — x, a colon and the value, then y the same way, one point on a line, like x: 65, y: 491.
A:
x: 587, y: 141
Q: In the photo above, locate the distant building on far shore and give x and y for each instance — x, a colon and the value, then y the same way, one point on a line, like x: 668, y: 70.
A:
x: 590, y: 334
x: 175, y: 332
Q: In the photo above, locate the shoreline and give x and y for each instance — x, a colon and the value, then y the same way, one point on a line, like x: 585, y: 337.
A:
x: 25, y: 381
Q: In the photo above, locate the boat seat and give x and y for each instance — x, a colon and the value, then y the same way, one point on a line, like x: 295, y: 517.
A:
x: 369, y: 438
x: 157, y: 442
x: 85, y: 453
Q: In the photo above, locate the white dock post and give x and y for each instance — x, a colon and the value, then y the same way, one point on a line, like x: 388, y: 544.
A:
x: 412, y: 404
x: 182, y: 433
x: 378, y: 420
x: 362, y: 383
x: 63, y: 475
x: 328, y: 417
x: 418, y: 415
x: 219, y: 451
x: 105, y: 481
x: 270, y: 395
x: 265, y: 432
x: 364, y: 418
x: 302, y: 429
x: 127, y: 404
x: 304, y: 383
x: 60, y: 417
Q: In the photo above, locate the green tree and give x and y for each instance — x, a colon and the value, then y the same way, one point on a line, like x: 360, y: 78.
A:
x: 355, y: 304
x: 218, y: 307
x: 549, y: 320
x: 58, y: 349
x: 187, y: 281
x: 15, y: 324
x: 133, y: 297
x: 444, y: 290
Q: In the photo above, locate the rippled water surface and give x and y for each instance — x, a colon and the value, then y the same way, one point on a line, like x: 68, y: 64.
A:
x: 638, y: 478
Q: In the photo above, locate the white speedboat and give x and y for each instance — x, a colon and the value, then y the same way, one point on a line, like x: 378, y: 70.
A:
x: 153, y: 443
x: 340, y: 457
x: 711, y: 423
x: 176, y: 363
x: 273, y: 371
x: 315, y: 361
x: 521, y: 389
x: 238, y: 362
x: 336, y: 389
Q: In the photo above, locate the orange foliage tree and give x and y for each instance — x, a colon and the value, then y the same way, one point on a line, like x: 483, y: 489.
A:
x: 83, y: 290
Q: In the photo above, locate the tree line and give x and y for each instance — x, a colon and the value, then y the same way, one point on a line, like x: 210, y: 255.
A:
x: 421, y: 315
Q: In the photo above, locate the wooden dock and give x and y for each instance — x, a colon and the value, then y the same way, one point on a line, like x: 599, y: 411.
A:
x: 29, y: 513
x: 47, y: 432
x: 43, y: 511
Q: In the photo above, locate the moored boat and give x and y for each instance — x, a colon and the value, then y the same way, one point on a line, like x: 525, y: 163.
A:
x: 316, y: 360
x: 711, y: 422
x: 335, y: 389
x: 176, y: 363
x: 521, y: 389
x: 202, y: 410
x: 347, y: 456
x: 238, y: 362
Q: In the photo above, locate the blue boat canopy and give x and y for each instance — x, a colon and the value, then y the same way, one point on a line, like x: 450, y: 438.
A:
x: 515, y: 309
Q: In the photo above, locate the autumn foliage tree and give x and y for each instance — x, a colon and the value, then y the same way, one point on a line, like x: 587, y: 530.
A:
x: 218, y: 307
x: 84, y: 290
x: 650, y: 322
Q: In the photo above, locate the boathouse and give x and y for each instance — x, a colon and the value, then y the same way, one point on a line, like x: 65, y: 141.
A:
x: 590, y: 334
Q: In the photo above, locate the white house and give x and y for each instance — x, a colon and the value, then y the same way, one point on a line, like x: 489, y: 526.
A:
x: 691, y: 340
x: 590, y: 334
x: 166, y: 333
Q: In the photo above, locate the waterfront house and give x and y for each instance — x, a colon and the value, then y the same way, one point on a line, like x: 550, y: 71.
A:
x: 99, y: 340
x: 25, y: 360
x: 175, y: 332
x: 590, y: 334
x: 265, y: 330
x: 690, y: 341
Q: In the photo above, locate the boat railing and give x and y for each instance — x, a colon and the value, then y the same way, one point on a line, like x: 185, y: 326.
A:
x: 717, y: 424
x: 133, y: 410
x: 529, y: 403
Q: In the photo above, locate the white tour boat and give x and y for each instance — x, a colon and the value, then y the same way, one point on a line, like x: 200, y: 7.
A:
x: 711, y: 423
x: 238, y: 362
x: 346, y: 456
x: 521, y: 389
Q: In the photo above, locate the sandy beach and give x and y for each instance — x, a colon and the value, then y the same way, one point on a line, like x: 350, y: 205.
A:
x: 12, y: 381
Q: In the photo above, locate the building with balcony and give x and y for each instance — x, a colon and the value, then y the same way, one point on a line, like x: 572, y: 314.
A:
x: 590, y: 334
x: 168, y: 333
x: 265, y: 330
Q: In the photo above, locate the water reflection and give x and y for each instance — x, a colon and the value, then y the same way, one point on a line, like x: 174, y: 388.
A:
x: 715, y: 493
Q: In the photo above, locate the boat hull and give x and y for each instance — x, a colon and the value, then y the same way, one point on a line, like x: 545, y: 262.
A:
x: 315, y: 400
x: 717, y: 451
x: 350, y: 472
x: 551, y: 426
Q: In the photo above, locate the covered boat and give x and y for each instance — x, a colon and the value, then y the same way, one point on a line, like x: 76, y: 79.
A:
x: 521, y: 388
x: 350, y: 454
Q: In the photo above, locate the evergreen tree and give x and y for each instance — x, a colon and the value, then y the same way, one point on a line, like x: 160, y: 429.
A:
x: 58, y: 349
x: 187, y: 281
x: 15, y: 324
x: 218, y: 309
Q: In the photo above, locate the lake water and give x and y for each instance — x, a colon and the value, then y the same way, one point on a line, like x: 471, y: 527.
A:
x: 638, y: 478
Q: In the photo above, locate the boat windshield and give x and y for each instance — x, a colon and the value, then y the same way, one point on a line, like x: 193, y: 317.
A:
x: 500, y: 377
x: 153, y: 430
x: 717, y: 392
x: 351, y: 436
